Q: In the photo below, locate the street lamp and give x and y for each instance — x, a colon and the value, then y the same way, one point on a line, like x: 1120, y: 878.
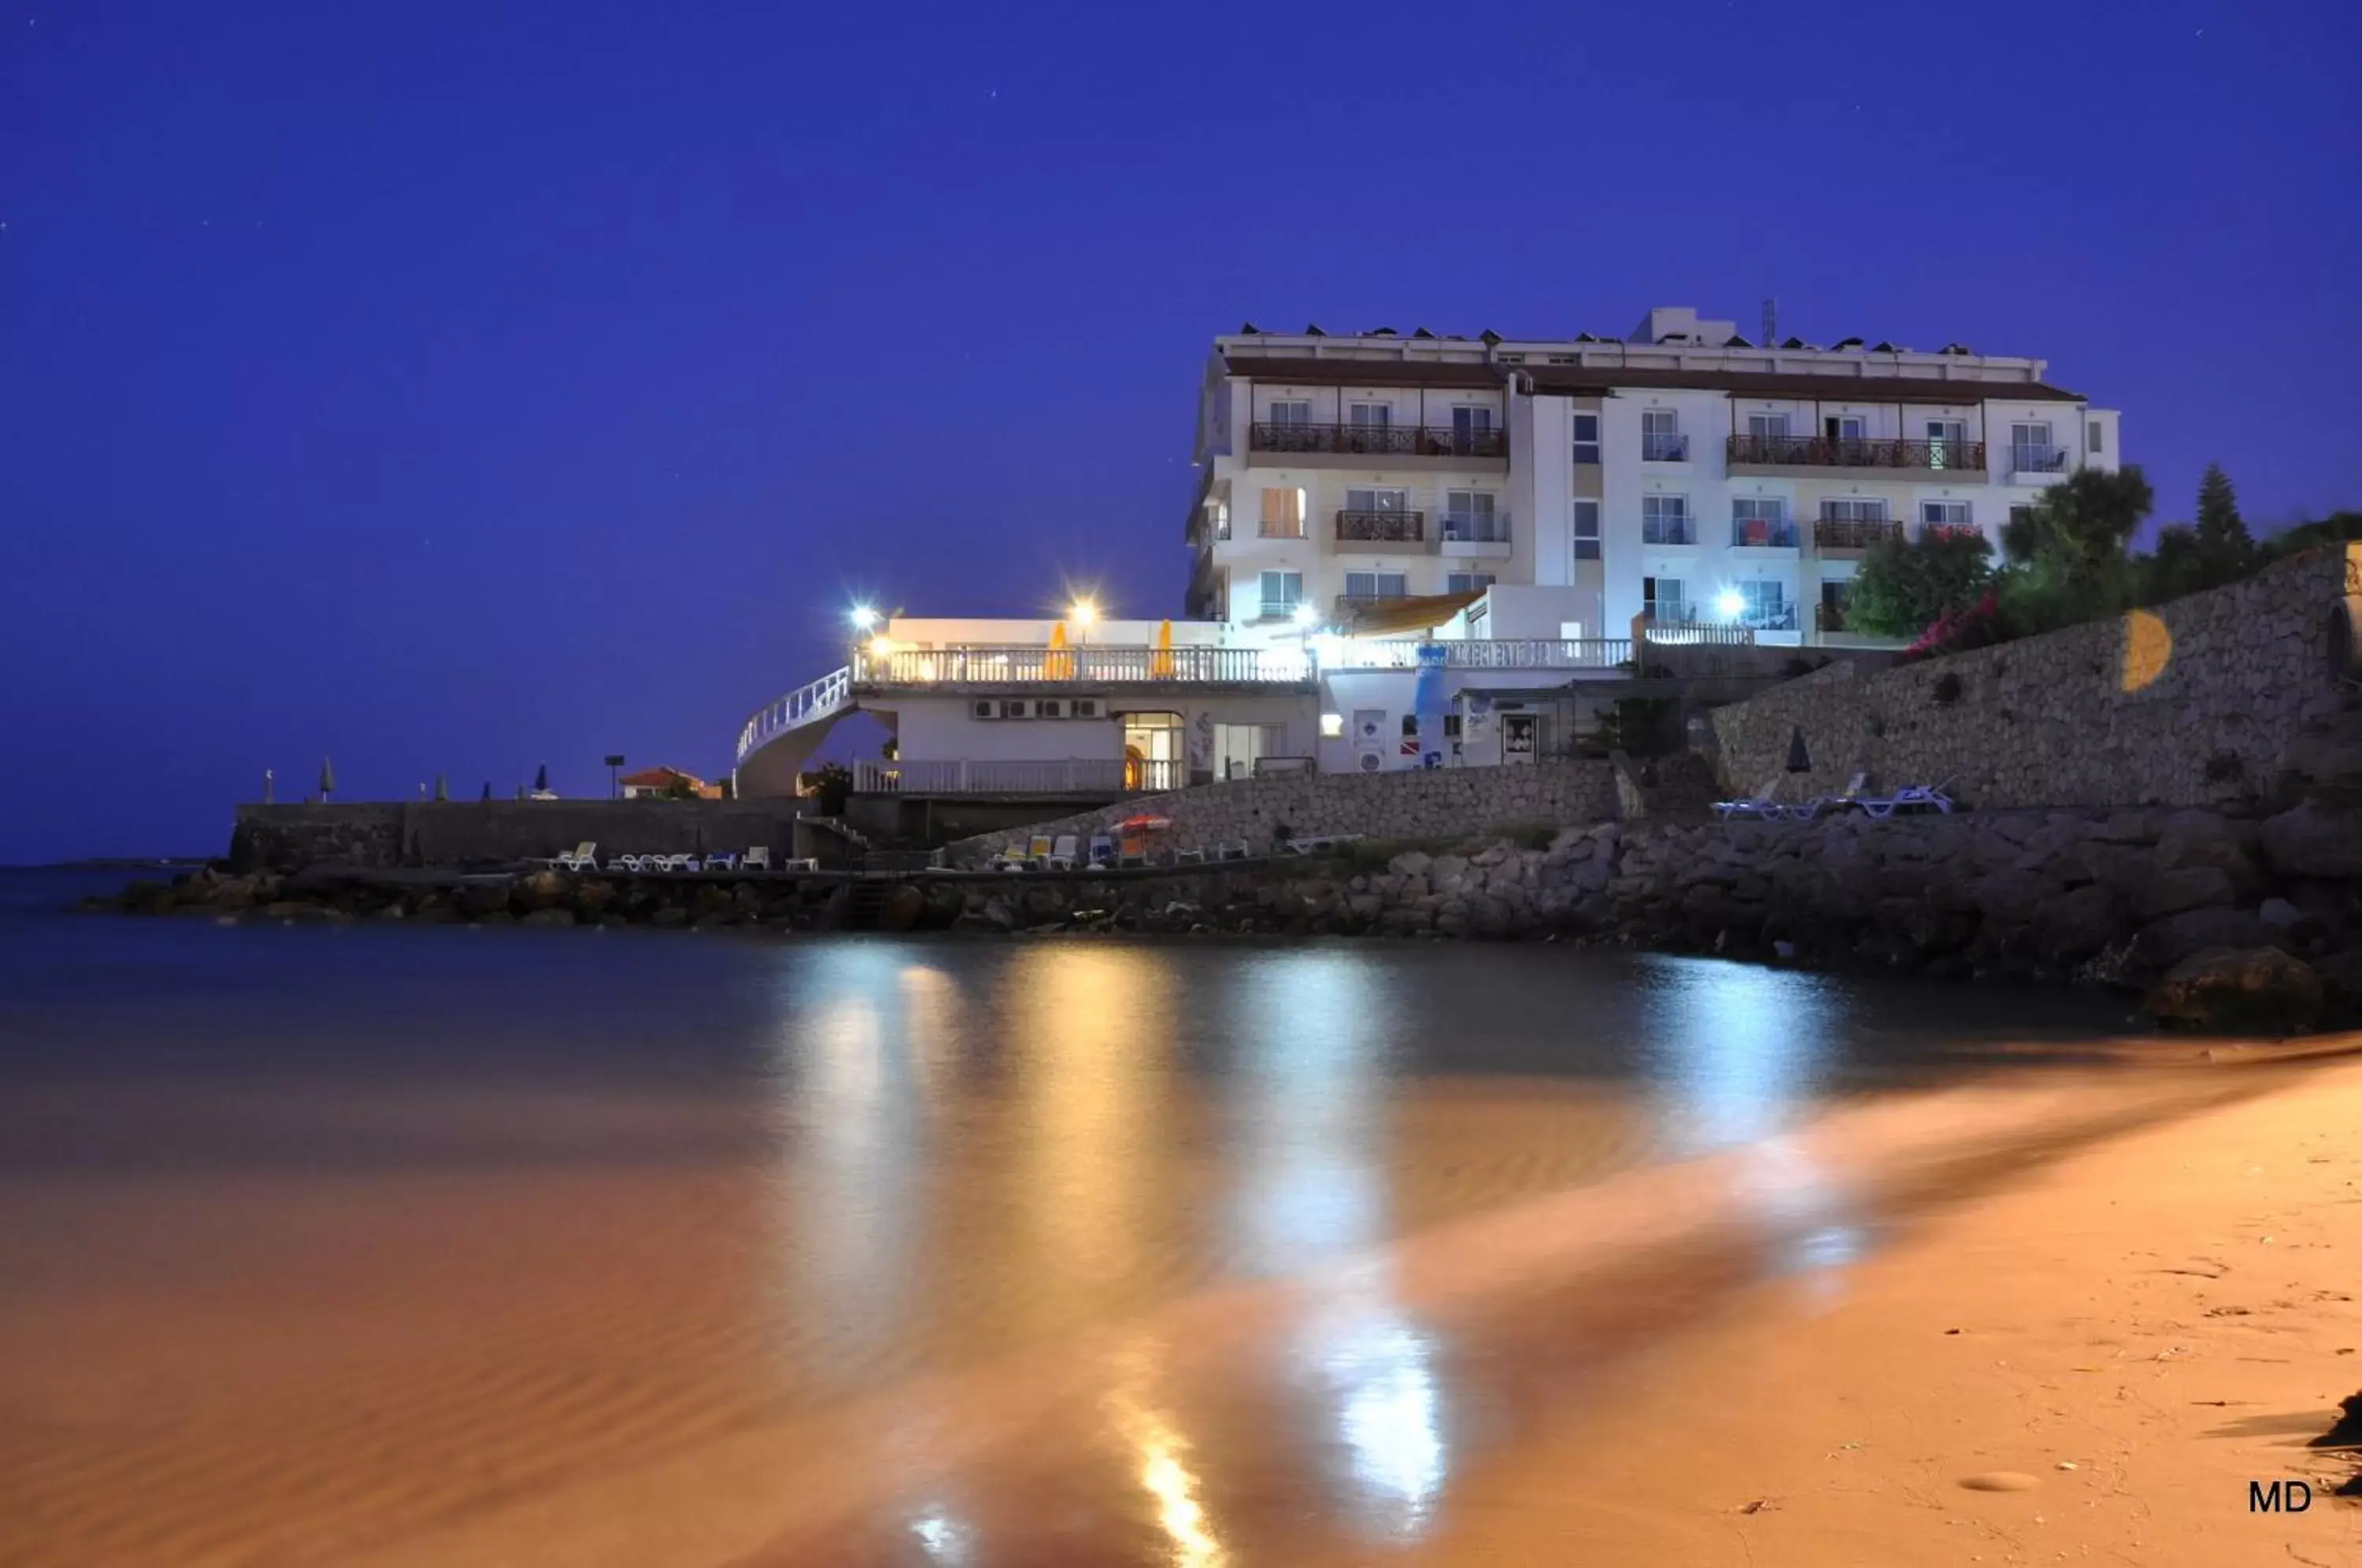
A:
x: 612, y: 763
x: 1083, y: 613
x: 863, y: 617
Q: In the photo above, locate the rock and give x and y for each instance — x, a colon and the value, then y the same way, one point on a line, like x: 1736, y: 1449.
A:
x: 2009, y: 896
x: 1411, y: 863
x: 2314, y: 840
x: 2280, y: 915
x: 2257, y: 990
x: 671, y: 915
x: 2325, y: 763
x: 903, y: 908
x: 2341, y: 987
x: 996, y: 916
x: 2079, y: 922
x: 543, y: 889
x: 2167, y: 942
x: 548, y: 917
x: 2188, y: 887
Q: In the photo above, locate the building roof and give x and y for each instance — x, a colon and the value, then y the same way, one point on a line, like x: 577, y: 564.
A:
x: 1596, y: 379
x: 660, y: 777
x: 1580, y: 380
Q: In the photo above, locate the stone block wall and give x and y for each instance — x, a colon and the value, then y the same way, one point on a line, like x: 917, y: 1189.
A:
x: 1432, y: 803
x: 458, y: 832
x: 2190, y: 704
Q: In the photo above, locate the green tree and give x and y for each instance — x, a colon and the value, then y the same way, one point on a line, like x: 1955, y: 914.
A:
x: 2066, y: 556
x: 1904, y: 586
x: 2222, y: 532
x: 2338, y: 527
x: 2217, y: 551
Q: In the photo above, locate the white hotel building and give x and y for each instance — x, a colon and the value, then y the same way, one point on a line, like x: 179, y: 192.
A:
x: 1684, y: 473
x: 1547, y: 519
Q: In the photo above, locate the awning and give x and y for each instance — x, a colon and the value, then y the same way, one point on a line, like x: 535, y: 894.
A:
x: 1392, y: 617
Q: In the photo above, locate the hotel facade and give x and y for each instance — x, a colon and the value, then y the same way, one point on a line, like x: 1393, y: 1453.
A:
x: 1420, y: 551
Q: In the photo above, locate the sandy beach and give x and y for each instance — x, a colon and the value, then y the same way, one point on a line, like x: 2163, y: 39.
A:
x: 2139, y: 1330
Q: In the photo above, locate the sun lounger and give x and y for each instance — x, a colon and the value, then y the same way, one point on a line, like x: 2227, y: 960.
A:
x: 1013, y: 858
x: 757, y: 858
x: 1759, y: 805
x: 1911, y: 798
x: 1037, y: 851
x: 1236, y: 851
x: 1839, y: 802
x: 1062, y: 853
x: 721, y: 863
x: 584, y: 858
x: 1189, y: 858
x: 1101, y: 851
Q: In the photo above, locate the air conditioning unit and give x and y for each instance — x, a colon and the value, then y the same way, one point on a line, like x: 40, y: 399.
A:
x: 1015, y: 708
x: 1083, y: 708
x: 1050, y: 708
x: 1370, y: 763
x: 984, y: 708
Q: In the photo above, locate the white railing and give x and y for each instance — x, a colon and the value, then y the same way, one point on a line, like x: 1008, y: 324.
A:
x: 1057, y: 776
x: 999, y: 666
x: 818, y: 700
x: 1685, y: 634
x: 1478, y: 653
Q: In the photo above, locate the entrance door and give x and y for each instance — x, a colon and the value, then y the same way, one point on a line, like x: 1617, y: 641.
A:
x: 1153, y: 752
x: 1518, y: 736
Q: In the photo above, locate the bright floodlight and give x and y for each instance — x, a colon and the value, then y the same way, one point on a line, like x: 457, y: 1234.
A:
x: 1083, y: 611
x: 881, y: 646
x: 1306, y: 616
x: 1730, y: 602
x: 863, y: 617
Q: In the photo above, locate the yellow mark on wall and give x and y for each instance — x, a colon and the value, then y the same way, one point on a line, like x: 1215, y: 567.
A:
x: 2148, y: 649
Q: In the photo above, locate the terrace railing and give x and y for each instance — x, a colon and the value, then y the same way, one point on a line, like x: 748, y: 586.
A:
x: 1853, y: 452
x: 994, y: 664
x: 1378, y: 440
x: 1053, y: 775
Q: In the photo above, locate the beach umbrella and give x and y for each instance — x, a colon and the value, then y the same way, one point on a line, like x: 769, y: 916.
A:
x: 1799, y: 759
x: 1161, y: 666
x: 1060, y: 664
x: 328, y: 778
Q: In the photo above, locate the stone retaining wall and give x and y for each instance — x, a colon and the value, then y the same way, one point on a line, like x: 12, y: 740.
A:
x: 1432, y: 803
x: 2188, y: 705
x: 458, y: 832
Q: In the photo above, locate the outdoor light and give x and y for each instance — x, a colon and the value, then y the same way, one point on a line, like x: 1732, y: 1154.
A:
x: 1083, y: 611
x: 881, y: 646
x: 1306, y: 615
x: 863, y: 617
x: 1332, y: 726
x: 1731, y: 602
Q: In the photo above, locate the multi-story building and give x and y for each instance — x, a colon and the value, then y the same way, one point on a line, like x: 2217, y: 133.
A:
x: 1684, y: 473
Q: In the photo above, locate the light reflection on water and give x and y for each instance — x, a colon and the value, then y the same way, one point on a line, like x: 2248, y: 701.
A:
x: 782, y: 1177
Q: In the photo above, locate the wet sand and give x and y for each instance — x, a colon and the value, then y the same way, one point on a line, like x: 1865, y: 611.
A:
x: 1600, y: 1373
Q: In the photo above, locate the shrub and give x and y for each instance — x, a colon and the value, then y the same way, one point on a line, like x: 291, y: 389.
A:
x: 1978, y: 626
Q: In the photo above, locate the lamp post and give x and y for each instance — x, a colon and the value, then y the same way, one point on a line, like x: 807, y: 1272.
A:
x: 614, y: 763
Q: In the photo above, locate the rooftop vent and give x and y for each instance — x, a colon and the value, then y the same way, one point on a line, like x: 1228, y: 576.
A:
x: 1955, y: 349
x: 1380, y: 332
x: 1312, y: 329
x: 1422, y: 332
x: 1795, y: 343
x: 1849, y: 343
x: 1735, y: 341
x: 1249, y: 329
x: 1587, y: 337
x: 1488, y: 338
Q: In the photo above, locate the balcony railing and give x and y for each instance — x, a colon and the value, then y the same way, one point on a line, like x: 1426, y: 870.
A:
x: 1378, y: 440
x: 981, y: 664
x: 1479, y: 652
x: 1381, y: 527
x: 1061, y: 776
x: 1668, y: 531
x: 2032, y: 459
x: 1763, y: 533
x: 1854, y: 452
x: 1475, y: 527
x: 1687, y: 618
x: 1931, y: 531
x: 1854, y: 533
x: 1662, y: 448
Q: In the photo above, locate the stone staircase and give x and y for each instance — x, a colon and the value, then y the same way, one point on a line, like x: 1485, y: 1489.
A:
x: 1677, y: 788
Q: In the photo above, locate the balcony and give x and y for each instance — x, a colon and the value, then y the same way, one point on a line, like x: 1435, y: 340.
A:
x: 2037, y: 461
x: 1380, y: 530
x: 1054, y: 777
x: 1475, y: 534
x: 1852, y: 535
x: 1664, y: 448
x: 1409, y: 446
x: 1781, y: 452
x: 1482, y: 653
x: 1668, y: 531
x: 1762, y: 534
x: 997, y: 667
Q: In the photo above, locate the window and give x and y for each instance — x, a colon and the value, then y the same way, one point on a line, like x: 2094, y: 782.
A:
x: 1372, y: 415
x: 1586, y: 530
x: 1374, y: 500
x: 1586, y: 439
x: 1843, y: 427
x: 1853, y: 509
x: 1238, y: 748
x: 1768, y: 425
x: 1763, y: 604
x: 1660, y: 437
x: 1377, y: 585
x: 1467, y: 581
x: 1945, y: 439
x: 1282, y: 512
x: 1472, y: 428
x: 1938, y: 518
x: 1666, y: 520
x: 1332, y: 726
x: 1663, y: 597
x: 1291, y: 412
x: 1468, y: 514
x: 1452, y: 726
x: 1761, y: 520
x: 2030, y: 451
x: 2098, y: 441
x: 1282, y: 593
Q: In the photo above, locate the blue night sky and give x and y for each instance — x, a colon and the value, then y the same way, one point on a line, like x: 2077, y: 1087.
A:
x: 449, y: 392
